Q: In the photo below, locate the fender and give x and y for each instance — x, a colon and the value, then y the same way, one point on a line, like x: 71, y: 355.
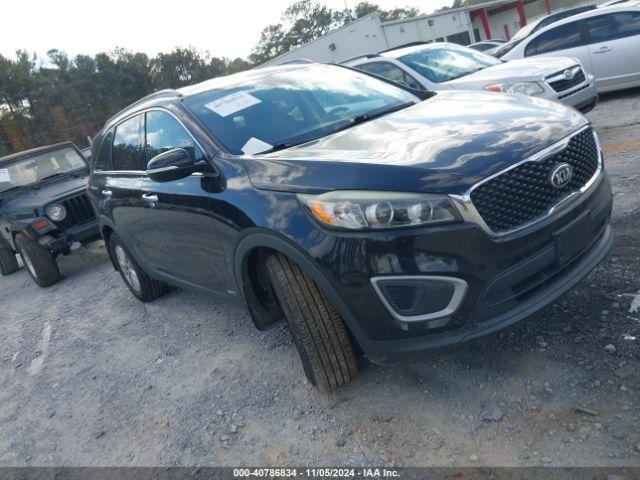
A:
x: 266, y: 238
x: 104, y: 222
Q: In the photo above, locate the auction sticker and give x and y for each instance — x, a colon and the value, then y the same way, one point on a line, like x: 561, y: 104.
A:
x: 4, y: 175
x: 232, y: 103
x: 255, y: 145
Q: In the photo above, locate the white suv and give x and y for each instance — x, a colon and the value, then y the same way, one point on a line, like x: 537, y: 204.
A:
x: 605, y: 40
x: 448, y: 66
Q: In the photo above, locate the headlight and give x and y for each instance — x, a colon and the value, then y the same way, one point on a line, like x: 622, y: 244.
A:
x: 56, y: 212
x: 525, y: 88
x: 356, y: 210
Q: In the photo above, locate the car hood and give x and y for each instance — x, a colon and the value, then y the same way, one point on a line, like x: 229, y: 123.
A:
x: 28, y: 200
x: 445, y: 144
x: 523, y: 69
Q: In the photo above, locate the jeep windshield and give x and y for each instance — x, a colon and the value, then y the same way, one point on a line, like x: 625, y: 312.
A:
x: 280, y: 109
x: 33, y: 169
x: 442, y: 64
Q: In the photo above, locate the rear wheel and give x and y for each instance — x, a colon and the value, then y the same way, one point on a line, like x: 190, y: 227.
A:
x: 39, y: 261
x: 317, y: 328
x: 8, y: 261
x: 141, y: 285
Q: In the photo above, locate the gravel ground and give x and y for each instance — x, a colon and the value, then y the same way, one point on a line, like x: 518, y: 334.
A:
x: 90, y: 376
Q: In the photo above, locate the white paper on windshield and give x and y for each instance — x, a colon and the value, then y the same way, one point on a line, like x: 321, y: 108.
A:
x: 4, y: 175
x: 232, y: 103
x: 254, y: 146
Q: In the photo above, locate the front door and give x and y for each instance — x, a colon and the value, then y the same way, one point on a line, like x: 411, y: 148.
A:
x: 177, y: 235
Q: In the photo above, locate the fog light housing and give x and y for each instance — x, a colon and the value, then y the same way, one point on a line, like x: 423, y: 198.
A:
x: 420, y: 298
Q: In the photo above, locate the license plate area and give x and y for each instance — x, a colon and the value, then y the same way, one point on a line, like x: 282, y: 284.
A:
x: 572, y: 238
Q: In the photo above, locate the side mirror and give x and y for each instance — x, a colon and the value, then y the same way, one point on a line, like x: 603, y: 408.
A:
x: 171, y: 165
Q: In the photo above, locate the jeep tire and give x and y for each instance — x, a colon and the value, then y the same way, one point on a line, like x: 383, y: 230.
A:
x: 318, y: 330
x: 39, y: 261
x: 8, y: 261
x: 145, y: 288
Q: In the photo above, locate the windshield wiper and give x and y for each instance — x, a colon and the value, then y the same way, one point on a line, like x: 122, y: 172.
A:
x: 60, y: 174
x: 280, y: 146
x: 365, y: 117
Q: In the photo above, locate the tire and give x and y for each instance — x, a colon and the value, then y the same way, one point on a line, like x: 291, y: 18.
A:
x: 40, y: 262
x: 317, y: 328
x: 8, y: 261
x: 143, y: 287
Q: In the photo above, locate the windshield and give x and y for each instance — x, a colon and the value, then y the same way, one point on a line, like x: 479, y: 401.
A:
x: 502, y: 51
x: 525, y: 31
x: 442, y: 64
x: 292, y: 106
x: 31, y: 170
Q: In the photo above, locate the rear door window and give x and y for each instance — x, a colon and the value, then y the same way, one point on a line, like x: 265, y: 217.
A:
x: 612, y: 26
x: 560, y: 38
x: 127, y: 152
x: 103, y: 159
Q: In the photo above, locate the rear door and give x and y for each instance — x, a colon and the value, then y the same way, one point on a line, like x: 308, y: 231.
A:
x: 119, y: 189
x: 567, y: 40
x: 614, y: 46
x: 177, y: 235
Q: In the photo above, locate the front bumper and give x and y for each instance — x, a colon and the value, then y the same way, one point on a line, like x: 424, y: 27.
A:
x: 59, y: 242
x: 582, y: 97
x: 508, y: 278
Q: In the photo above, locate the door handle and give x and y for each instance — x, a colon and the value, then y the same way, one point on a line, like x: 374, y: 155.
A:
x: 604, y: 49
x: 107, y: 193
x: 150, y: 197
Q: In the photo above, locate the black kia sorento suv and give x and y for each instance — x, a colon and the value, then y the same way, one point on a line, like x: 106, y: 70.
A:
x: 372, y: 222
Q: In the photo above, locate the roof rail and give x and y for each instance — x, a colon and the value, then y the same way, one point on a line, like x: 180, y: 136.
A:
x: 167, y: 92
x: 410, y: 44
x: 368, y: 55
x: 298, y: 61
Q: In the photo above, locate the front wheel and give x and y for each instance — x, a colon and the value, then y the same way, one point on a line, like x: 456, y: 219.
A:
x: 8, y: 261
x: 39, y: 261
x: 317, y: 328
x: 141, y: 285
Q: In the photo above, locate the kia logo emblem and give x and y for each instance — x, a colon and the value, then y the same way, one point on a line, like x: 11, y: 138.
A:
x: 561, y: 175
x: 568, y: 74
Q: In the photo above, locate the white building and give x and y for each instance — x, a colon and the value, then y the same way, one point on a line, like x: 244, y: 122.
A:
x: 497, y: 19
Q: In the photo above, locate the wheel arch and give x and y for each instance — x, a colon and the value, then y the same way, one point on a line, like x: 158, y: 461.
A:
x: 252, y: 250
x: 106, y: 231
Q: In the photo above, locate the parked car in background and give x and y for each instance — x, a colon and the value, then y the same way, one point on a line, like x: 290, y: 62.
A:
x: 531, y: 28
x: 487, y: 46
x: 605, y: 40
x: 611, y: 3
x: 44, y: 210
x: 447, y: 66
x: 369, y: 220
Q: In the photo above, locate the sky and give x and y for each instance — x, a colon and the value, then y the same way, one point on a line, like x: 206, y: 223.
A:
x: 228, y: 28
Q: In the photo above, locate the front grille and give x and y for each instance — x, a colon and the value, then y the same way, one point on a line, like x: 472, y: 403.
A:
x: 79, y: 211
x: 566, y: 84
x: 525, y: 193
x: 565, y: 95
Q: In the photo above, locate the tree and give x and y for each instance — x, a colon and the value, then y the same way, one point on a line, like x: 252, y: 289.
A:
x: 60, y: 98
x: 458, y: 4
x: 305, y: 21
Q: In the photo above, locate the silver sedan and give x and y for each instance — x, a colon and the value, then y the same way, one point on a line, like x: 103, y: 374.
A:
x: 446, y: 66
